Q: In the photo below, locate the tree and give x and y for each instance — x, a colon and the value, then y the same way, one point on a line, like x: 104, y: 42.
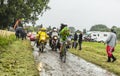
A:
x: 72, y: 29
x: 99, y: 27
x: 11, y: 10
x: 84, y: 31
x: 117, y: 30
x: 49, y: 28
x: 114, y: 27
x: 118, y: 33
x: 78, y: 31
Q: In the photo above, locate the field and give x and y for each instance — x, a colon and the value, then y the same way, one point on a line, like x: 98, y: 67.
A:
x: 95, y: 53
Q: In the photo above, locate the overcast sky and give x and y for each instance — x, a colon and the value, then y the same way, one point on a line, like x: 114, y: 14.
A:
x: 82, y: 14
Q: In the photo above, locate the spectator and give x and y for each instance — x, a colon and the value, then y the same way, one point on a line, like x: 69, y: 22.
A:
x: 111, y: 43
x: 75, y: 41
x: 80, y: 41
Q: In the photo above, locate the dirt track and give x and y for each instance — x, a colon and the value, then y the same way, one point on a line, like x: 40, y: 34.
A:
x: 74, y: 66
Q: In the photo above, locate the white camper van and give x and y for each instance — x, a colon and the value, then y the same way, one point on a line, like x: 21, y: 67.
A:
x: 98, y: 36
x: 103, y: 36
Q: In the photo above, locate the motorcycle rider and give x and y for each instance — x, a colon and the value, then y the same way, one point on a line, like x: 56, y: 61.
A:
x: 54, y: 34
x: 42, y: 34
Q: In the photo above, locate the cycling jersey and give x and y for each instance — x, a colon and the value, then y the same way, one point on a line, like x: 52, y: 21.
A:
x: 64, y: 33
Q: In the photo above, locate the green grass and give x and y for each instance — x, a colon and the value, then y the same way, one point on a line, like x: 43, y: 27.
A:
x: 96, y: 53
x: 17, y: 60
x: 4, y: 41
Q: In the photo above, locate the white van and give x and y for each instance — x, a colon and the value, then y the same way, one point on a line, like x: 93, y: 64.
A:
x: 102, y: 36
x: 98, y: 36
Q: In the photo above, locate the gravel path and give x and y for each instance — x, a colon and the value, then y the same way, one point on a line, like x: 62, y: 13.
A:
x: 74, y: 66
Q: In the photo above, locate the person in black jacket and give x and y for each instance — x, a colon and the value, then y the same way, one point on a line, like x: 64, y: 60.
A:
x: 75, y: 40
x: 80, y: 41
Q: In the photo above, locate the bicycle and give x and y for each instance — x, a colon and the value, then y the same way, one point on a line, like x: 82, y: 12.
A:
x: 63, y: 52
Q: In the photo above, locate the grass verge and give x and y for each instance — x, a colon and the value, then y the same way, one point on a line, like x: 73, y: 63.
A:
x: 17, y: 60
x: 95, y: 53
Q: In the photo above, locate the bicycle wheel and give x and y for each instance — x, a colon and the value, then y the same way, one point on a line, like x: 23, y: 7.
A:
x: 64, y: 55
x: 42, y: 48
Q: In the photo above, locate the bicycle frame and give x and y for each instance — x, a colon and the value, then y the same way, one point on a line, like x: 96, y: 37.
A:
x: 63, y: 52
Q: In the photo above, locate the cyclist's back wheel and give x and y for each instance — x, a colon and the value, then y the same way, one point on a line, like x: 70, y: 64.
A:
x: 64, y: 56
x: 63, y: 53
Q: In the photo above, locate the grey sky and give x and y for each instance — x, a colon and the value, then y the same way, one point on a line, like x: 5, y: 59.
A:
x: 82, y: 13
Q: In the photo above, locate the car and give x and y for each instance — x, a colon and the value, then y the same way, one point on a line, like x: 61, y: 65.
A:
x: 32, y: 37
x: 29, y: 34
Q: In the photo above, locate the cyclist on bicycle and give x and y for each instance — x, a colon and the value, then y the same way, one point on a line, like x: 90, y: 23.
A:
x: 64, y: 33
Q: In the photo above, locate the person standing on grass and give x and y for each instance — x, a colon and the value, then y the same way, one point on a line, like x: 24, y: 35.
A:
x: 111, y: 43
x: 80, y: 40
x: 75, y: 40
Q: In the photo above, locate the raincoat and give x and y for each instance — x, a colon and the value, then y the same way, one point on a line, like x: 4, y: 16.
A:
x: 42, y: 36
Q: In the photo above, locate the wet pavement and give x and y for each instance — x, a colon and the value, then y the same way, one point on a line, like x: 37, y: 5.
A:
x: 51, y: 65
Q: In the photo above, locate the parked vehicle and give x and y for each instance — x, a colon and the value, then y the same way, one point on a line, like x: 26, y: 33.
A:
x: 102, y: 36
x: 96, y: 36
x: 29, y: 34
x: 32, y: 37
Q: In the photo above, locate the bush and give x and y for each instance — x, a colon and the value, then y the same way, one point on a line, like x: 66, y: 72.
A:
x: 6, y: 40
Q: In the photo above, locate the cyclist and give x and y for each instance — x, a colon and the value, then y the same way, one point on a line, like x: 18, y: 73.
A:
x: 64, y: 33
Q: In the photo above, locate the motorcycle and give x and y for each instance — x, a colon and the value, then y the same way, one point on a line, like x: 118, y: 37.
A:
x: 54, y: 43
x: 42, y: 44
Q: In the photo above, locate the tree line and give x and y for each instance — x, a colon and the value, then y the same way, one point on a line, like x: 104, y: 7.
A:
x: 12, y: 10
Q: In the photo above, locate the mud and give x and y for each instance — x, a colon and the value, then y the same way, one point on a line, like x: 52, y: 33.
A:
x: 74, y: 66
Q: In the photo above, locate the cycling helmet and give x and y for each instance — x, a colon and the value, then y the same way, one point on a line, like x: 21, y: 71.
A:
x: 62, y: 26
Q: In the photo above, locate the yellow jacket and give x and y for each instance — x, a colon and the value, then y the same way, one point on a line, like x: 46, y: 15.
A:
x: 42, y: 36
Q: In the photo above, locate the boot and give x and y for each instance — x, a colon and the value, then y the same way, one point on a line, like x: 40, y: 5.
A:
x: 109, y: 60
x: 114, y: 59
